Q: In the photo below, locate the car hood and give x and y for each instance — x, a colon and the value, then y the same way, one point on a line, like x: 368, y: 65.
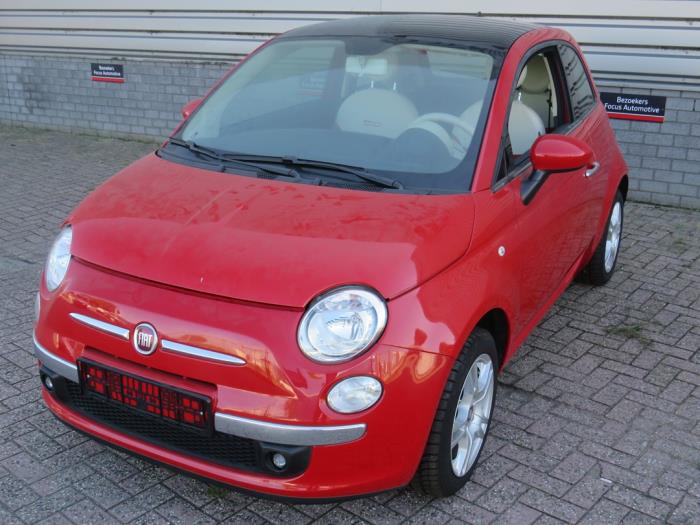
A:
x: 265, y: 241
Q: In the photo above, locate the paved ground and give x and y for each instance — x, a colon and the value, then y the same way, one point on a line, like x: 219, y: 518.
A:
x: 597, y: 419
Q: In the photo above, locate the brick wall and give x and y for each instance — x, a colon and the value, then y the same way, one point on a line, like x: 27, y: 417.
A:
x: 664, y: 159
x: 56, y: 92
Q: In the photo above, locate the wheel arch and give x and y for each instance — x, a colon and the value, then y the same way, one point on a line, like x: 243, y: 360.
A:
x: 495, y: 321
x: 624, y: 186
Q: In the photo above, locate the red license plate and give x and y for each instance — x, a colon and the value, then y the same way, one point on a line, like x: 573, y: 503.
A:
x: 158, y: 400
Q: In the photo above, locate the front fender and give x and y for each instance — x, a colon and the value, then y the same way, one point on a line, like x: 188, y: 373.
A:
x: 439, y: 315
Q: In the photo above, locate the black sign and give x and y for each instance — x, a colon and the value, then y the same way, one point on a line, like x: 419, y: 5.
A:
x: 634, y: 107
x: 108, y: 73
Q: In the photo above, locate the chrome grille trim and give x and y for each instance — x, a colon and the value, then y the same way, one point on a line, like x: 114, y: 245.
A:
x: 287, y: 434
x: 102, y: 326
x: 193, y: 351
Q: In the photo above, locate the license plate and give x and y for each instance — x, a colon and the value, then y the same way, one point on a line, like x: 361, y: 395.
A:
x: 155, y: 399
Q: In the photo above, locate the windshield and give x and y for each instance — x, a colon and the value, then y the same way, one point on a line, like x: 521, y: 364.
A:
x: 410, y: 111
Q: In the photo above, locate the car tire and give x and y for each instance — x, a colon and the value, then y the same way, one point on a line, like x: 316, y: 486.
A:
x: 446, y: 466
x: 602, y: 265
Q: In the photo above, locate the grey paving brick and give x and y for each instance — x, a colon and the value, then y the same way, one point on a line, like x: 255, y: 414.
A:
x: 85, y: 512
x: 370, y: 510
x: 406, y: 502
x: 687, y: 512
x: 15, y: 494
x: 519, y: 514
x: 464, y: 511
x: 64, y: 477
x: 540, y: 480
x: 340, y: 516
x: 552, y: 506
x: 667, y: 494
x: 637, y: 518
x: 227, y: 504
x: 639, y: 502
x: 179, y: 511
x: 101, y: 490
x: 501, y: 496
x: 46, y: 506
x: 605, y: 511
x: 587, y: 491
x: 138, y: 505
x: 25, y: 467
x: 427, y: 515
x: 574, y: 467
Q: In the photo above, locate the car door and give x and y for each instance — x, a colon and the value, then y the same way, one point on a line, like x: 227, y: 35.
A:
x: 551, y: 229
x: 587, y: 125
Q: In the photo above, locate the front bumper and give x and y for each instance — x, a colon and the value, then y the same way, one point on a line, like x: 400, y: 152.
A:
x: 306, y: 435
x: 277, y: 398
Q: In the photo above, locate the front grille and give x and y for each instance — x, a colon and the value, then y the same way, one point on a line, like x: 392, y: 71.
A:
x: 223, y: 449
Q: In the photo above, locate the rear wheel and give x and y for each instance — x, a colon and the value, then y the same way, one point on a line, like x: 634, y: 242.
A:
x: 602, y: 265
x: 462, y: 419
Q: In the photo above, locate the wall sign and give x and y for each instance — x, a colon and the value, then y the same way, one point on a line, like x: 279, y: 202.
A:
x: 107, y: 73
x: 634, y: 107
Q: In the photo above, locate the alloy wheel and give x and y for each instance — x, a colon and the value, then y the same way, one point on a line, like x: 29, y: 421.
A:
x: 472, y: 415
x: 612, y: 242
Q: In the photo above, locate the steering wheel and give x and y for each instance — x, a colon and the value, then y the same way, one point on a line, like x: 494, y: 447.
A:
x: 452, y: 144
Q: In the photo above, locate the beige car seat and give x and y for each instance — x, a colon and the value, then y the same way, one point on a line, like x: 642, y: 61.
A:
x: 524, y: 124
x: 536, y: 89
x: 376, y: 111
x: 471, y: 117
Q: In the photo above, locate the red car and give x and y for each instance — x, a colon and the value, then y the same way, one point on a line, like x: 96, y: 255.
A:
x: 309, y: 289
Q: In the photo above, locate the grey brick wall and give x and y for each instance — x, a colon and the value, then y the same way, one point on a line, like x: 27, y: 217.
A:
x: 56, y: 92
x: 664, y: 158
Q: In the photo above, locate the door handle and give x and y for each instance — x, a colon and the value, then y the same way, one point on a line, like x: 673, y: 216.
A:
x: 593, y: 169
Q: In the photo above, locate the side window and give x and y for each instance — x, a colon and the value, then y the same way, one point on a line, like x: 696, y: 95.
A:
x: 537, y: 105
x: 580, y: 91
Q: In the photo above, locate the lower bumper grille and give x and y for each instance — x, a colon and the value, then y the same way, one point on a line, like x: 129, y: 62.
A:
x: 218, y: 448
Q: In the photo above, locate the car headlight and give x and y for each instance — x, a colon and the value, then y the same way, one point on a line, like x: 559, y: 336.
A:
x: 342, y: 324
x: 59, y: 258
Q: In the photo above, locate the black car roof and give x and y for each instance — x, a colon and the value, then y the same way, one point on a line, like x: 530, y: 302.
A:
x: 473, y: 29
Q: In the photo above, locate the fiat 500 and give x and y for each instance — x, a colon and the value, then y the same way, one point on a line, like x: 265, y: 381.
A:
x: 309, y: 289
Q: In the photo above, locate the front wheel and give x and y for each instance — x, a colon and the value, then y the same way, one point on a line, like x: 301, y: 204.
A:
x: 462, y: 419
x: 602, y: 265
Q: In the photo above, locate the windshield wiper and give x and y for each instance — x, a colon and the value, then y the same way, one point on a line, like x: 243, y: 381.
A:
x: 223, y: 158
x: 254, y: 161
x: 360, y: 173
x: 200, y: 150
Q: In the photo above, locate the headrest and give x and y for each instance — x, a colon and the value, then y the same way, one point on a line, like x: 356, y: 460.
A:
x: 537, y: 78
x: 521, y: 78
x: 372, y: 66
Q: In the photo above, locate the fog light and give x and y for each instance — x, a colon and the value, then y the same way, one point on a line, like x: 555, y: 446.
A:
x: 48, y: 383
x: 354, y: 394
x: 279, y: 461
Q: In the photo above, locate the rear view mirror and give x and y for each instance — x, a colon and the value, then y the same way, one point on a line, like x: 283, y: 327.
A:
x: 555, y: 153
x: 189, y: 108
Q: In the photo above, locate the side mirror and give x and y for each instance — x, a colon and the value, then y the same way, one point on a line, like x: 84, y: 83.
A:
x: 189, y: 108
x: 552, y: 154
x: 556, y: 153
